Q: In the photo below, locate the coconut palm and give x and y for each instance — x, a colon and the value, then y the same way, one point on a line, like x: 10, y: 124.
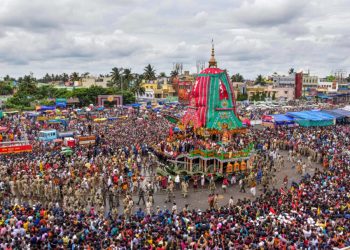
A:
x: 149, y: 72
x: 127, y: 78
x: 116, y: 77
x: 64, y: 77
x: 237, y: 78
x: 137, y: 88
x: 86, y: 74
x: 162, y: 74
x: 74, y: 77
x: 260, y: 80
x: 174, y: 73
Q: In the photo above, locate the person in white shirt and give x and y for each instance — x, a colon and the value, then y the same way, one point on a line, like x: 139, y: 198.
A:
x: 174, y: 208
x: 231, y: 203
x: 177, y: 182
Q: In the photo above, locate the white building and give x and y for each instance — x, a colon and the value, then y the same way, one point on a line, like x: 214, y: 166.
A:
x: 327, y: 87
x: 149, y: 94
x: 89, y: 81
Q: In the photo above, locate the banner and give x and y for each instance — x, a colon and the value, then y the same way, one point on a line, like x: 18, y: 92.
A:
x: 16, y: 149
x: 61, y: 102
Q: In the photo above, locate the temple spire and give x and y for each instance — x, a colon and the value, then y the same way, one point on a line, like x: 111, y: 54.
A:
x: 212, y: 61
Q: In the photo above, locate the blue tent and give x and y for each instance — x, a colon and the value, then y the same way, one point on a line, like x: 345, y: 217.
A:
x: 343, y: 112
x: 45, y: 108
x: 337, y: 115
x: 136, y: 105
x: 312, y: 118
x: 281, y: 119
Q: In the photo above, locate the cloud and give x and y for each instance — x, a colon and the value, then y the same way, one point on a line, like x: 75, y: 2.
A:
x: 268, y: 13
x: 251, y: 36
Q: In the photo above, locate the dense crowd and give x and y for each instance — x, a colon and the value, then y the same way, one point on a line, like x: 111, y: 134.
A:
x: 53, y: 201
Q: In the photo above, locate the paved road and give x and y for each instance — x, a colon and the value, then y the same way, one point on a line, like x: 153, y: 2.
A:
x: 198, y: 199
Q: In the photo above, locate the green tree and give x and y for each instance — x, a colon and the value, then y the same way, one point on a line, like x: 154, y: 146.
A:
x: 330, y: 78
x: 86, y: 74
x: 174, y: 73
x: 137, y: 89
x: 26, y: 92
x: 149, y: 72
x: 75, y: 77
x: 237, y: 78
x: 46, y: 91
x: 260, y: 80
x: 127, y: 78
x: 6, y: 88
x: 162, y: 74
x: 291, y: 71
x: 47, y: 78
x: 241, y: 96
x: 274, y: 95
x: 64, y: 77
x: 116, y: 74
x: 27, y: 85
x: 7, y: 78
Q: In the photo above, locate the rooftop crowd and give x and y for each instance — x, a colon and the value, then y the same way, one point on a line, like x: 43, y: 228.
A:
x: 53, y: 201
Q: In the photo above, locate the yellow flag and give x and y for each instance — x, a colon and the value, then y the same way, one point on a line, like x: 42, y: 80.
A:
x: 318, y: 211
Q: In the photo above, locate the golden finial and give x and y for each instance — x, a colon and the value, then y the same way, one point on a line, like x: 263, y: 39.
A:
x: 212, y: 61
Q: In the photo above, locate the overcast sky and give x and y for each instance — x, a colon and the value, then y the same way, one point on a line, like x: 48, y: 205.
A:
x: 251, y: 37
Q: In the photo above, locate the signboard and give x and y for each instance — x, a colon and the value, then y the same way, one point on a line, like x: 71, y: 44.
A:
x: 61, y: 102
x: 16, y: 149
x: 172, y: 98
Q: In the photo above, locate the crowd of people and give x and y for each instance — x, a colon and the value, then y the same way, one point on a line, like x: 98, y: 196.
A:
x: 87, y: 200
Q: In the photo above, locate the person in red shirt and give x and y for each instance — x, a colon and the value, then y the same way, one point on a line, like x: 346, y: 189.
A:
x: 224, y: 184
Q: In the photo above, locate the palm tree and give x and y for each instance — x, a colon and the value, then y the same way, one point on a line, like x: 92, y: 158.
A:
x: 237, y: 78
x: 260, y: 80
x: 64, y: 77
x: 116, y: 77
x: 162, y: 74
x: 127, y: 77
x: 86, y: 74
x: 174, y: 73
x: 74, y: 77
x: 7, y: 78
x: 27, y: 85
x: 291, y: 71
x: 149, y: 73
x: 137, y: 89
